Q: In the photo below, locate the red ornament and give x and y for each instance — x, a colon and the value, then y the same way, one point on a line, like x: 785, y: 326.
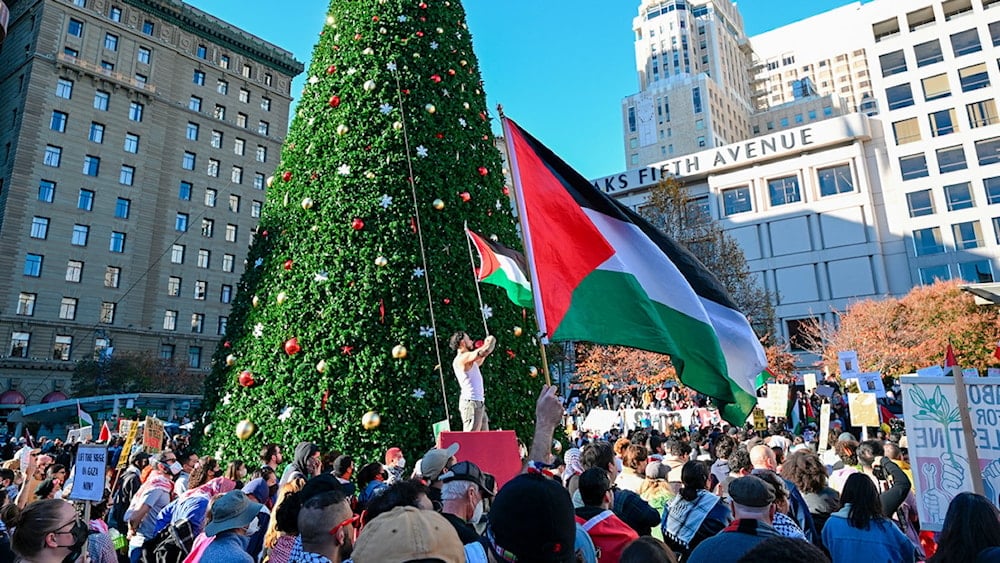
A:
x: 264, y: 234
x: 420, y: 34
x: 505, y: 190
x: 511, y: 354
x: 446, y: 301
x: 334, y: 101
x: 246, y: 378
x: 288, y: 264
x: 286, y: 176
x: 226, y: 344
x: 423, y: 5
x: 478, y: 344
x: 331, y: 69
x: 413, y: 224
x: 357, y: 37
x: 482, y: 115
x: 439, y: 135
x: 436, y: 77
x: 374, y: 18
x: 466, y: 196
x: 326, y: 396
x: 483, y: 171
x: 357, y: 224
x: 451, y: 72
x: 292, y: 346
x: 406, y: 91
x: 381, y: 311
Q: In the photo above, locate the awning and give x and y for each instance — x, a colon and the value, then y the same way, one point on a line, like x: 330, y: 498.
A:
x: 163, y: 404
x: 986, y: 293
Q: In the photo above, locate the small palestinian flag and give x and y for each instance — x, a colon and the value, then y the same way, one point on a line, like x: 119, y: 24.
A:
x: 502, y: 267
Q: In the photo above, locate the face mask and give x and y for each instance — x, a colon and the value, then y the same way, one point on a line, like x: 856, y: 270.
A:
x: 176, y: 467
x: 253, y: 527
x: 477, y: 513
x: 79, y: 533
x: 401, y: 462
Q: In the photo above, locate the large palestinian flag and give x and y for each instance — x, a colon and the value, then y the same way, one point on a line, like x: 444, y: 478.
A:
x: 503, y: 267
x: 603, y: 274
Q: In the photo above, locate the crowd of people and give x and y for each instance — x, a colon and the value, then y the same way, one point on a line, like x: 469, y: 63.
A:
x: 715, y: 494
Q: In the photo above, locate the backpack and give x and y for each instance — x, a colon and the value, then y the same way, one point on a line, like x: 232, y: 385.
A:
x: 171, y: 545
x: 610, y: 535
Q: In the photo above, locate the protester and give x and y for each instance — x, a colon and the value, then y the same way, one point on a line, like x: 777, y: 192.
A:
x: 128, y: 485
x: 695, y: 514
x: 784, y: 523
x: 206, y: 470
x: 189, y: 461
x: 609, y: 534
x: 283, y: 527
x: 192, y: 506
x: 806, y: 470
x: 860, y: 532
x: 326, y: 526
x: 305, y: 464
x: 236, y: 471
x: 627, y: 505
x: 411, y: 492
x: 270, y: 456
x: 647, y: 550
x: 371, y: 481
x: 763, y: 458
x: 753, y: 507
x: 472, y: 400
x: 634, y: 462
x: 784, y: 550
x: 48, y: 531
x: 971, y: 532
x: 232, y: 516
x: 532, y: 520
x: 462, y: 496
x: 395, y: 465
x: 408, y: 534
x: 152, y: 496
x: 100, y: 546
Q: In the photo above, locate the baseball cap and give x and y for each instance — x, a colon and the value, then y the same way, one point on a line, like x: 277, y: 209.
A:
x: 406, y: 533
x: 532, y: 519
x: 433, y: 462
x: 467, y: 471
x: 752, y: 491
x: 657, y: 470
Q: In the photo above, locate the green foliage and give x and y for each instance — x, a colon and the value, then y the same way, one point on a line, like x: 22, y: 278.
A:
x: 136, y: 372
x: 389, y: 81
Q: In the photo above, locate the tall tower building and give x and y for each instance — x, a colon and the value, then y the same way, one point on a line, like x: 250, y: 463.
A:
x: 136, y: 141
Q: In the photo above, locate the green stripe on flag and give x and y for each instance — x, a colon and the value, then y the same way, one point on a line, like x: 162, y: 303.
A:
x: 517, y: 292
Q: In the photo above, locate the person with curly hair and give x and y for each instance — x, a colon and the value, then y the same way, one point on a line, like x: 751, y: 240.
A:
x: 208, y: 469
x: 971, y: 531
x: 634, y: 461
x: 806, y: 470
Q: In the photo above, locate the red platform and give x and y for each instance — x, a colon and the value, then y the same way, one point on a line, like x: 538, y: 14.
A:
x: 495, y: 453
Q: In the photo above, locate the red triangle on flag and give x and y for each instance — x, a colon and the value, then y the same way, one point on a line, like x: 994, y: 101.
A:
x: 996, y: 351
x: 949, y: 357
x: 105, y: 433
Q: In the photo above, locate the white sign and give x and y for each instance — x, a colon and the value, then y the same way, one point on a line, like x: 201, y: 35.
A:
x: 809, y: 379
x: 776, y: 402
x: 871, y: 382
x: 88, y: 480
x: 848, y: 362
x: 80, y: 434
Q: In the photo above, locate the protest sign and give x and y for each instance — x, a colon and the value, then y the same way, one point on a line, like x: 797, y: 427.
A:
x: 152, y: 435
x: 80, y: 434
x: 871, y: 383
x: 824, y: 427
x: 809, y: 380
x: 847, y: 361
x: 89, y: 472
x: 759, y: 419
x: 129, y: 429
x: 864, y: 410
x: 776, y: 402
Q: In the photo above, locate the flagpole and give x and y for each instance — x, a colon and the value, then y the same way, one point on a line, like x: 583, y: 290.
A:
x: 526, y: 234
x: 475, y: 276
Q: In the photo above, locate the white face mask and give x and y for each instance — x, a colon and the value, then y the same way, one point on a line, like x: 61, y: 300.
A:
x: 401, y: 462
x: 176, y: 467
x: 253, y: 527
x: 477, y: 513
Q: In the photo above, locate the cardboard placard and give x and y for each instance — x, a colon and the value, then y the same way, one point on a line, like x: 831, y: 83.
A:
x: 759, y: 419
x: 776, y: 402
x: 152, y: 435
x: 80, y: 434
x: 129, y: 429
x: 824, y: 427
x: 871, y: 382
x: 809, y: 380
x: 863, y: 408
x: 847, y: 361
x: 89, y: 473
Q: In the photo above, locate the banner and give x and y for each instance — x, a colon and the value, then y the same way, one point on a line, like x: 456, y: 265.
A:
x: 939, y: 444
x: 602, y: 420
x: 152, y: 435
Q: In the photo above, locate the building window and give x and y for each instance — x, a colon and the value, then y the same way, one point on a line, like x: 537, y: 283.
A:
x: 107, y: 313
x: 147, y: 27
x: 237, y: 175
x: 835, y: 180
x: 181, y: 222
x: 268, y: 78
x: 231, y: 233
x: 204, y: 258
x: 53, y: 155
x: 932, y: 274
x: 75, y: 28
x: 58, y: 121
x: 192, y: 131
x: 736, y: 200
x: 26, y: 304
x: 135, y: 111
x: 143, y: 55
x: 110, y: 42
x: 210, y: 197
x: 117, y: 244
x: 19, y: 342
x: 696, y: 99
x: 64, y: 89
x: 959, y: 196
x: 33, y: 265
x: 965, y: 42
x: 173, y: 286
x: 200, y: 289
x: 967, y: 235
x: 784, y: 190
x: 112, y: 276
x: 247, y: 71
x: 224, y: 61
x: 216, y: 139
x: 40, y: 227
x: 992, y: 187
x: 80, y: 235
x: 951, y: 159
x: 91, y: 165
x: 261, y: 153
x: 73, y: 53
x: 220, y: 112
x: 131, y: 143
x: 142, y: 79
x: 978, y: 271
x: 974, y: 77
x: 96, y: 133
x: 189, y: 160
x: 222, y: 87
x: 988, y: 151
x: 913, y: 166
x: 255, y: 208
x: 241, y: 120
x: 927, y: 241
x: 263, y: 127
x: 213, y: 168
x: 202, y: 52
x: 239, y: 146
x: 223, y: 323
x: 177, y: 254
x: 244, y: 95
x: 801, y: 333
x: 207, y: 227
x: 981, y: 113
x: 226, y: 295
x: 234, y: 203
x: 197, y: 323
x: 184, y: 191
x: 61, y: 349
x: 936, y: 87
x: 928, y: 53
x: 85, y: 200
x: 67, y: 308
x: 892, y: 63
x: 228, y: 260
x: 167, y: 351
x: 46, y: 191
x: 198, y: 78
x: 170, y: 320
x: 906, y: 131
x: 258, y: 181
x: 194, y: 104
x: 265, y: 104
x: 74, y: 271
x: 194, y: 356
x: 101, y: 100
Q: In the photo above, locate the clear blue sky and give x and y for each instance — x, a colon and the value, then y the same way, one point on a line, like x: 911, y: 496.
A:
x: 560, y: 69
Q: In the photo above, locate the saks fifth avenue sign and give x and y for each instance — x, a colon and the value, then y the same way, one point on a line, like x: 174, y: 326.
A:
x: 779, y: 145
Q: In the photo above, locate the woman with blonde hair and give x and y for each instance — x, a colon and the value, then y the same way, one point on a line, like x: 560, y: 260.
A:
x: 237, y: 472
x: 48, y: 531
x: 283, y: 527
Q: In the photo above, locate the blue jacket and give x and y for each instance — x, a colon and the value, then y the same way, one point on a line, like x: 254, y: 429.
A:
x: 882, y: 541
x: 732, y: 543
x: 227, y: 547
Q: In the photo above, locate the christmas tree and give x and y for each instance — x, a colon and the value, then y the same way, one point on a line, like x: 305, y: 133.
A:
x: 360, y: 269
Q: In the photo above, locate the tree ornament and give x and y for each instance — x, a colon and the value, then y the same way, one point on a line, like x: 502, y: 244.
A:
x: 331, y: 69
x: 466, y: 105
x: 371, y: 420
x: 533, y: 371
x: 321, y: 366
x: 438, y: 204
x: 430, y: 108
x: 227, y: 344
x: 466, y: 196
x: 397, y: 125
x: 208, y: 429
x: 286, y: 176
x: 436, y: 78
x: 518, y: 331
x: 451, y: 72
x: 368, y: 51
x: 246, y: 378
x: 342, y: 129
x: 307, y: 203
x: 505, y: 191
x: 292, y: 346
x: 281, y: 298
x: 357, y: 224
x: 255, y: 301
x: 334, y: 101
x: 381, y: 262
x: 230, y: 360
x: 270, y: 181
x: 399, y: 351
x: 483, y: 171
x: 288, y: 264
x: 369, y: 85
x: 245, y: 429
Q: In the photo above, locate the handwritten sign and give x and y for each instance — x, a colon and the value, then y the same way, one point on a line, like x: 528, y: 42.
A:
x: 776, y: 402
x: 809, y: 379
x: 152, y: 435
x: 824, y: 427
x: 88, y: 479
x: 759, y: 419
x: 864, y: 410
x: 129, y: 429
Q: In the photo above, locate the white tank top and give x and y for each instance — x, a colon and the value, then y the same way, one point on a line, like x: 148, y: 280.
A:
x: 471, y: 382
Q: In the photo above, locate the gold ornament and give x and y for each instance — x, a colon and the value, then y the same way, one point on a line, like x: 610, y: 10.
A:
x: 270, y: 180
x: 321, y: 366
x: 281, y: 298
x: 430, y: 108
x: 245, y: 429
x: 533, y: 371
x: 371, y: 420
x: 466, y: 105
x: 330, y: 20
x: 438, y: 204
x: 307, y: 203
x: 369, y: 85
x: 397, y: 125
x: 370, y: 175
x: 518, y: 331
x: 368, y: 51
x: 342, y: 129
x: 208, y: 429
x: 381, y: 262
x: 255, y: 301
x: 463, y: 62
x: 440, y: 30
x: 399, y: 351
x: 230, y: 360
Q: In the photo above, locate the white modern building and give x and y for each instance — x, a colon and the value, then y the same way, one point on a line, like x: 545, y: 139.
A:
x: 870, y: 162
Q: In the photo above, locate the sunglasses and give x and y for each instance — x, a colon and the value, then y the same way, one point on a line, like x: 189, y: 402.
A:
x: 353, y: 521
